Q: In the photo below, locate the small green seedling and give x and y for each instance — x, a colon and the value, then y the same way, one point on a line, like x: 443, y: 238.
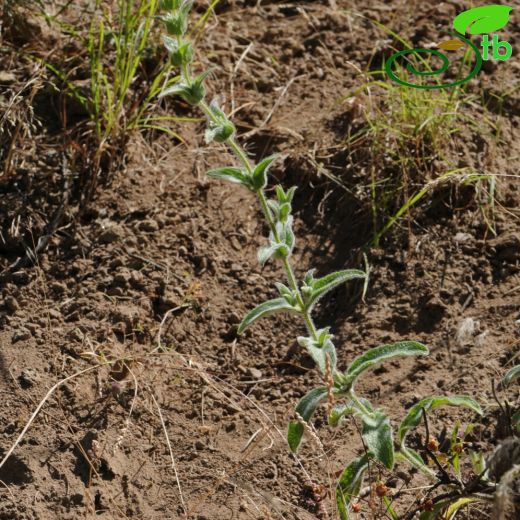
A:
x: 300, y: 297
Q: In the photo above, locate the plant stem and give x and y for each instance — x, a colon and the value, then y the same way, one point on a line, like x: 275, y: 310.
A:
x: 289, y: 271
x: 359, y: 404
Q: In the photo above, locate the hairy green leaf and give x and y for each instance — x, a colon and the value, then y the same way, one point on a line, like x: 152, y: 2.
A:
x: 349, y: 485
x: 284, y: 211
x: 413, y: 458
x: 429, y: 404
x: 282, y: 196
x: 229, y: 173
x: 266, y: 309
x: 511, y: 375
x: 192, y: 93
x: 260, y: 172
x: 480, y: 20
x: 305, y: 408
x: 266, y: 252
x: 181, y: 53
x: 377, y: 434
x: 321, y: 286
x: 320, y: 351
x: 382, y: 353
x: 176, y: 20
x: 339, y: 411
x: 220, y: 128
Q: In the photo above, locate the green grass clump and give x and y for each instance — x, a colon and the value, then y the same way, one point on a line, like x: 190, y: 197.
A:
x: 406, y: 137
x: 118, y: 97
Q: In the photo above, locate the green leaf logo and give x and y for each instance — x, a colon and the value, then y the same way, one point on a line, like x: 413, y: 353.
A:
x: 481, y: 20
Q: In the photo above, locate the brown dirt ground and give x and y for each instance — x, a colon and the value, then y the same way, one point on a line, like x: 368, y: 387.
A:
x: 161, y: 244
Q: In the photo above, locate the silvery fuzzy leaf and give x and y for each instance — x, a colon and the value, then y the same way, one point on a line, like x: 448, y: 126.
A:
x: 320, y: 354
x: 289, y: 237
x: 170, y: 5
x: 283, y: 196
x: 192, y: 93
x: 281, y: 252
x: 266, y: 252
x: 266, y: 309
x: 260, y: 172
x: 231, y: 174
x: 274, y: 207
x: 176, y: 22
x: 339, y: 411
x: 280, y: 193
x: 290, y: 194
x: 171, y: 44
x: 349, y: 485
x: 378, y: 437
x: 219, y: 133
x: 284, y: 211
x: 283, y: 289
x: 429, y: 404
x: 220, y: 128
x: 511, y: 375
x: 306, y: 408
x: 323, y: 285
x: 288, y: 294
x: 182, y: 54
x: 380, y: 354
x: 309, y: 277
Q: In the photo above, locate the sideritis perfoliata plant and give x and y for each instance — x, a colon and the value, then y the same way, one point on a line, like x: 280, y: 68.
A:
x: 299, y: 297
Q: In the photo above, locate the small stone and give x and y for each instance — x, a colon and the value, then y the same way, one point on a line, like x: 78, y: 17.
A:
x: 149, y: 226
x: 11, y: 304
x: 58, y: 287
x: 111, y: 234
x: 20, y: 277
x: 254, y: 373
x: 75, y: 335
x: 28, y: 377
x: 199, y: 445
x: 33, y: 328
x: 21, y: 335
x: 54, y: 313
x: 122, y: 278
x: 7, y: 77
x: 461, y: 238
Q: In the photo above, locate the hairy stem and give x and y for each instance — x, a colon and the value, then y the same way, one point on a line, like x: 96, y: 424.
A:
x: 289, y: 271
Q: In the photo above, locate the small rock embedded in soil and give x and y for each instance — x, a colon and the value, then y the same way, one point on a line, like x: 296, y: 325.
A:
x: 21, y: 335
x: 254, y: 373
x: 112, y: 234
x: 11, y: 304
x: 28, y: 377
x: 149, y: 226
x: 58, y: 287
